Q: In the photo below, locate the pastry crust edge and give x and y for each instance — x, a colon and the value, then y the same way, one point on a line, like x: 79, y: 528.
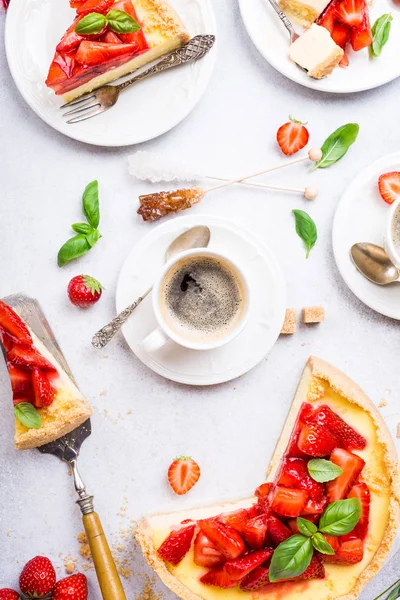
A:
x: 347, y: 388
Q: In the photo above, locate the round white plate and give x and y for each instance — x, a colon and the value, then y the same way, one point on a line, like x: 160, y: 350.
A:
x: 272, y: 40
x: 205, y: 367
x: 143, y: 112
x: 361, y: 217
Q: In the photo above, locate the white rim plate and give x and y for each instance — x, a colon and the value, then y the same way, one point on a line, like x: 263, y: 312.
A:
x: 272, y: 41
x: 143, y: 112
x: 361, y: 217
x: 267, y: 306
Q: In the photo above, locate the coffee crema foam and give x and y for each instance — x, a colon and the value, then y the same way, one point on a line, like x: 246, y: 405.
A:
x: 202, y: 298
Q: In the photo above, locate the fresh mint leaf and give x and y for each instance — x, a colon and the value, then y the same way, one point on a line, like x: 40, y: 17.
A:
x: 322, y: 470
x: 321, y: 545
x: 340, y: 517
x: 82, y: 228
x: 91, y: 24
x: 305, y: 229
x: 336, y: 145
x: 73, y: 248
x: 90, y: 203
x: 380, y: 34
x: 27, y: 414
x: 291, y: 558
x: 306, y: 527
x: 120, y: 21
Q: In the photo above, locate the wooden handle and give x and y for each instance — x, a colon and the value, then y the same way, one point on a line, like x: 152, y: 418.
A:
x: 106, y: 571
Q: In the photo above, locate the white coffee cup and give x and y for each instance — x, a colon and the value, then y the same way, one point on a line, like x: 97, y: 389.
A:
x: 392, y: 223
x: 164, y: 332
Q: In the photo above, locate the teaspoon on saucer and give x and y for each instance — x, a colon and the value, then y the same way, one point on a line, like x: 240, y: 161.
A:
x: 374, y: 263
x: 195, y: 237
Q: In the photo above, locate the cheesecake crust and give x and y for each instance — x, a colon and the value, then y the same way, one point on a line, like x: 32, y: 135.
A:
x: 326, y: 67
x: 316, y: 375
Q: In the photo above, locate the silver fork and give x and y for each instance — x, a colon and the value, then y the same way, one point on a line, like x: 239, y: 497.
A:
x: 285, y: 21
x: 101, y: 99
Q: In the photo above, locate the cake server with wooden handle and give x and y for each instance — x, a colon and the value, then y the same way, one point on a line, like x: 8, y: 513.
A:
x: 67, y: 449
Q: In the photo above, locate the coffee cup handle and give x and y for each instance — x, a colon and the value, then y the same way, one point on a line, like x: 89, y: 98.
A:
x: 154, y: 341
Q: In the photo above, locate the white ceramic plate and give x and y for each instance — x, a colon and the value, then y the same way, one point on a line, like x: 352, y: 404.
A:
x: 361, y: 217
x: 205, y: 367
x: 272, y: 40
x: 148, y: 109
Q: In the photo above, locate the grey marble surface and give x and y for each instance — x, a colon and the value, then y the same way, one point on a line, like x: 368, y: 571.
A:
x: 142, y: 421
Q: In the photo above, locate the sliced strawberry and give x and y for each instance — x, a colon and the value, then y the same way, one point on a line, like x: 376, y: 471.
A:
x: 346, y: 436
x: 205, y: 553
x: 351, y: 465
x: 6, y: 340
x: 314, y: 489
x: 292, y: 137
x: 42, y: 389
x: 226, y: 539
x: 350, y: 12
x: 110, y: 38
x: 255, y: 531
x: 314, y: 507
x: 256, y: 580
x: 292, y: 472
x: 277, y: 531
x: 219, y: 578
x: 389, y: 186
x: 97, y: 53
x: 288, y: 502
x: 333, y: 540
x: 263, y: 493
x: 341, y: 34
x: 136, y: 37
x: 183, y: 474
x: 349, y: 553
x: 362, y: 492
x: 70, y: 39
x: 240, y: 567
x: 21, y: 381
x: 361, y: 37
x: 177, y: 545
x: 13, y: 325
x: 27, y: 358
x: 316, y: 441
x: 263, y: 490
x: 315, y: 570
x: 99, y: 6
x: 237, y: 519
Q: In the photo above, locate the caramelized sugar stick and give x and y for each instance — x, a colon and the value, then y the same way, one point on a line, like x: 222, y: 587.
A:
x: 154, y: 206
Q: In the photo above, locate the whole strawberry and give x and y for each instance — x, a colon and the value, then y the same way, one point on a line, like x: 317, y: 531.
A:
x: 38, y: 577
x: 8, y: 594
x: 84, y: 290
x: 73, y: 587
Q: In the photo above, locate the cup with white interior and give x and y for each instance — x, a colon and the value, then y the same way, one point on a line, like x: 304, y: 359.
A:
x: 200, y: 300
x: 392, y: 233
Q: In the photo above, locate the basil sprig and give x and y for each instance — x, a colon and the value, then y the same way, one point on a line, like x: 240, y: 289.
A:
x: 380, y: 34
x: 293, y: 556
x: 322, y: 470
x: 336, y: 145
x: 305, y: 229
x: 87, y: 233
x: 27, y: 414
x: 118, y: 21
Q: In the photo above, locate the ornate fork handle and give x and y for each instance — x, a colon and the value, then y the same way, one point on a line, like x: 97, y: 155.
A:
x: 284, y: 19
x: 196, y: 48
x: 104, y: 335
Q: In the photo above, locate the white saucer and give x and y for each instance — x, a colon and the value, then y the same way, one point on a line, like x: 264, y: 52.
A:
x: 147, y: 110
x: 267, y: 289
x: 361, y: 217
x: 272, y: 40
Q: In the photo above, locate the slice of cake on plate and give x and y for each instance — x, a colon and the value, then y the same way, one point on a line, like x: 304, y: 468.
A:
x: 319, y: 529
x: 47, y: 404
x: 111, y: 38
x: 316, y: 52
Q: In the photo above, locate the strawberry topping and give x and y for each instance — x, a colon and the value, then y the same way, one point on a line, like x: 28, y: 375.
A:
x: 316, y: 441
x: 240, y: 567
x: 352, y: 465
x: 346, y: 436
x: 205, y: 553
x: 225, y: 538
x: 361, y: 491
x: 177, y: 545
x: 13, y: 326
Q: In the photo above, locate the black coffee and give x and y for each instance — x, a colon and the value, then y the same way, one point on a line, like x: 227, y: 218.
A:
x: 202, y: 295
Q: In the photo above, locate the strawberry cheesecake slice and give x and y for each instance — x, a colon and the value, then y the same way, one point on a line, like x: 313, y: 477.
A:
x: 109, y: 39
x: 320, y: 528
x: 47, y: 404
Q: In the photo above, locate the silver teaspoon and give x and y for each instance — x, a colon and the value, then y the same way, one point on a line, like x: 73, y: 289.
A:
x: 196, y: 237
x: 374, y: 263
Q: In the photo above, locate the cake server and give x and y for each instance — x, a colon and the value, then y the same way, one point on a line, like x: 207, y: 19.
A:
x: 67, y: 449
x: 101, y: 99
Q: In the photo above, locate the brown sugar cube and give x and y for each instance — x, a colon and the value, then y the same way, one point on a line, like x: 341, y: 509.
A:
x: 289, y: 324
x: 313, y: 314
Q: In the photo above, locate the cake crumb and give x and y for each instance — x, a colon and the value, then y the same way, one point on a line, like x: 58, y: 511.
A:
x: 148, y: 591
x: 69, y: 567
x: 382, y: 403
x: 289, y: 324
x: 81, y: 537
x: 313, y: 314
x: 129, y: 412
x: 398, y: 430
x: 84, y: 551
x: 9, y: 532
